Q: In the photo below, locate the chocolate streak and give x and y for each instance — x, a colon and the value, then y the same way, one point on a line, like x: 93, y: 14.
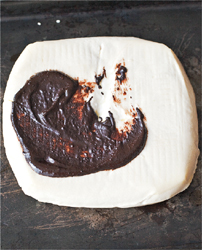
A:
x: 61, y: 134
x: 98, y: 78
x: 121, y: 73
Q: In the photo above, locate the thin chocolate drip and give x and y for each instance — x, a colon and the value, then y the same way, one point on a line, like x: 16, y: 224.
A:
x: 98, y: 78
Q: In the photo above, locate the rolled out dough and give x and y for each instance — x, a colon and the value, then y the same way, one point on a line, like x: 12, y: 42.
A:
x: 157, y: 83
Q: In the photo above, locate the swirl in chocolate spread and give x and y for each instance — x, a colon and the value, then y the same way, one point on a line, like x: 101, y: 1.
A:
x: 62, y: 136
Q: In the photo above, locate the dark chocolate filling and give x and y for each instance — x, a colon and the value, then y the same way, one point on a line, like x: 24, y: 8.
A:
x: 121, y: 73
x: 62, y: 136
x: 98, y: 78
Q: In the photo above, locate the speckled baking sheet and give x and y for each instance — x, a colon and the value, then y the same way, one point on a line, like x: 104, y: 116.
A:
x: 173, y: 224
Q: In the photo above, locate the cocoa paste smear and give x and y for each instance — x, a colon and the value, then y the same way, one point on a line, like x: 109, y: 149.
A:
x: 62, y: 136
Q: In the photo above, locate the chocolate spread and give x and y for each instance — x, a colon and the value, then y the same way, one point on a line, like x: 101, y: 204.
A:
x: 98, y: 78
x: 62, y: 136
x: 121, y: 72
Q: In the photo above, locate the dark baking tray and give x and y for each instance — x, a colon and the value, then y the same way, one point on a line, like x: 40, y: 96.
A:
x: 173, y: 224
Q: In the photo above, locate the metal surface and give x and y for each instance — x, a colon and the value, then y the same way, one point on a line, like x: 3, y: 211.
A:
x: 173, y: 224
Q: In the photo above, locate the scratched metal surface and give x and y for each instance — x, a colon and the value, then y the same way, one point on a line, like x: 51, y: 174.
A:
x: 173, y: 224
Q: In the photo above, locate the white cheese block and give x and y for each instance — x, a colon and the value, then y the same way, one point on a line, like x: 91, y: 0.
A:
x: 157, y: 84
